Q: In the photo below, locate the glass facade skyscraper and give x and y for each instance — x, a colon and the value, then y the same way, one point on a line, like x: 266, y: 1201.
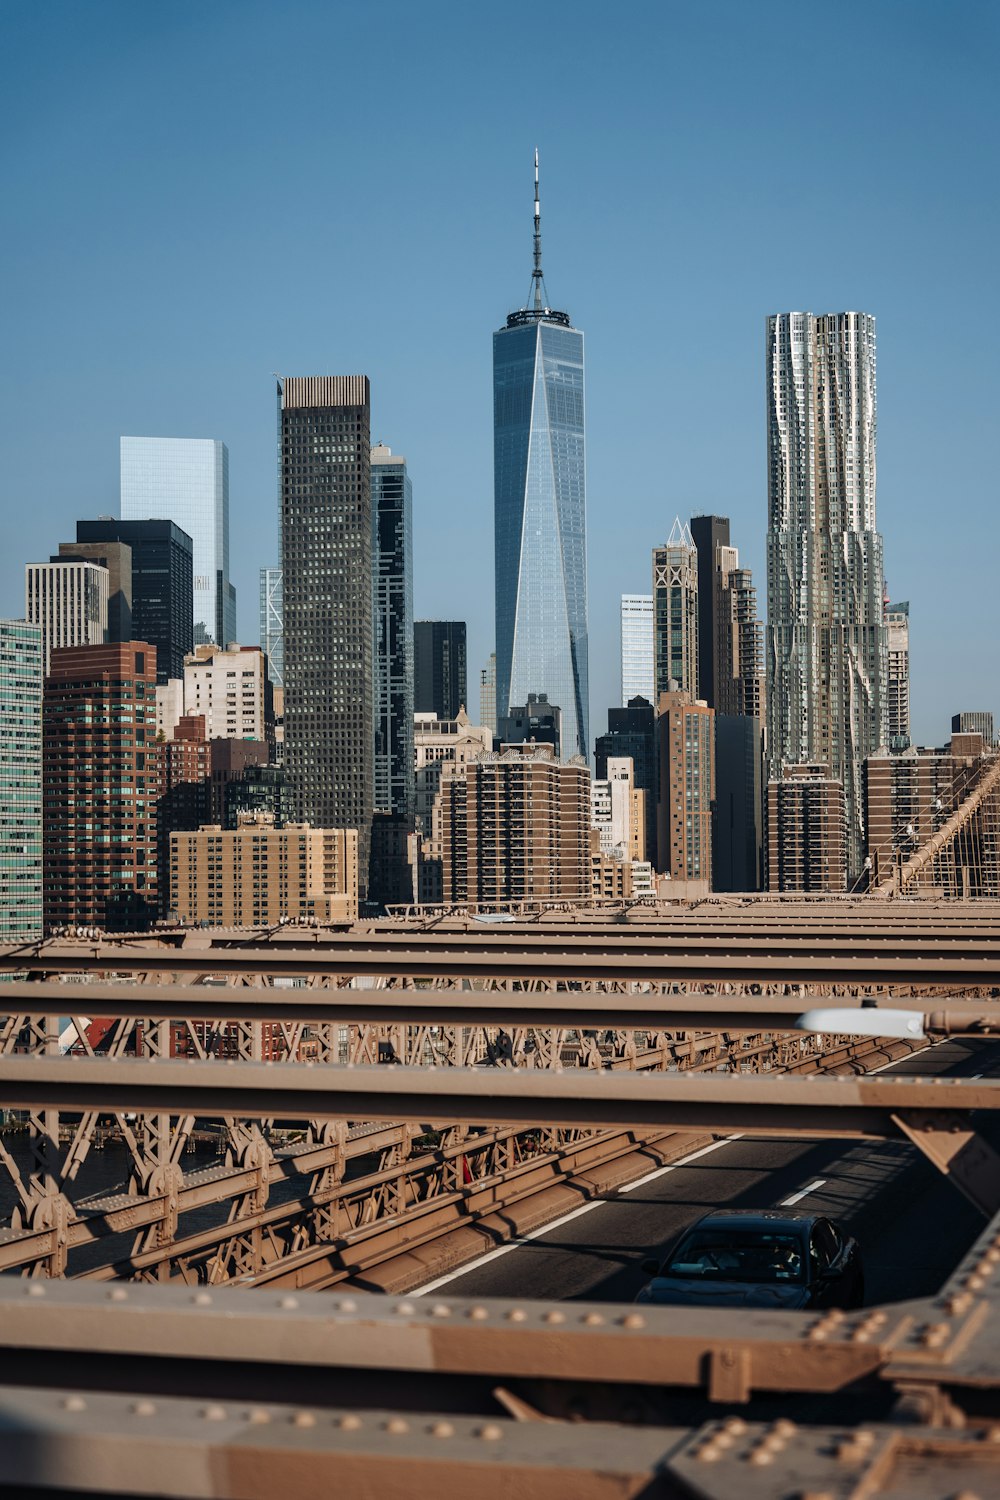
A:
x: 827, y: 659
x: 272, y: 623
x: 21, y: 667
x: 186, y: 480
x: 637, y: 647
x: 540, y: 528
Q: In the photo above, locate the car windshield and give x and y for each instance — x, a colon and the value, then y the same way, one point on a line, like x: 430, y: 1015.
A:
x: 737, y: 1255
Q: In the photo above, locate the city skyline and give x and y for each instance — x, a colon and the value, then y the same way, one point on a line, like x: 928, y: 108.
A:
x: 215, y: 319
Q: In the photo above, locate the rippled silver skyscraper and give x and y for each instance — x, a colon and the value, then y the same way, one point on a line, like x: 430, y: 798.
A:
x: 540, y: 511
x: 826, y: 637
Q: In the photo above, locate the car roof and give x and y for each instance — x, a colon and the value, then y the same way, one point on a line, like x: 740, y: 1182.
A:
x: 766, y: 1220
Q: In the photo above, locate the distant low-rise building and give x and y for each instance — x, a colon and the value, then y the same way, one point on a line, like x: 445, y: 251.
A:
x: 806, y: 830
x: 258, y: 875
x: 514, y: 827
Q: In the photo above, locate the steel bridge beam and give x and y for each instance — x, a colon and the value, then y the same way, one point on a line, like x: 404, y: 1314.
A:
x: 797, y: 965
x: 689, y: 1101
x: 448, y: 1007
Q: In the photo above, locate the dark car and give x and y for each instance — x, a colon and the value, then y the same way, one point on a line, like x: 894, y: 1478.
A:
x: 747, y: 1258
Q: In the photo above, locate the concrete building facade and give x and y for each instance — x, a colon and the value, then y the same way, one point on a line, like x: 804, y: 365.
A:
x: 68, y: 601
x: 231, y: 689
x: 515, y: 827
x: 807, y: 834
x: 326, y: 559
x: 102, y: 780
x: 685, y: 734
x: 258, y: 875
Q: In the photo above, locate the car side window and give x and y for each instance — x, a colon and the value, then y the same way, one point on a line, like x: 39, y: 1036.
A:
x: 823, y: 1245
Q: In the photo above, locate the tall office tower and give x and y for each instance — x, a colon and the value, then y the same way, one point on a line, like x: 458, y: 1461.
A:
x: 730, y: 636
x: 637, y: 647
x: 117, y: 558
x: 326, y: 559
x: 488, y: 694
x: 392, y: 573
x: 272, y: 624
x: 826, y: 637
x: 974, y: 723
x: 675, y: 613
x: 102, y: 779
x: 685, y: 742
x: 69, y: 601
x: 514, y: 827
x: 897, y: 619
x: 160, y: 583
x: 440, y: 673
x: 738, y: 814
x: 540, y: 527
x: 186, y: 480
x: 632, y: 733
x: 746, y: 634
x: 710, y: 535
x: 21, y: 670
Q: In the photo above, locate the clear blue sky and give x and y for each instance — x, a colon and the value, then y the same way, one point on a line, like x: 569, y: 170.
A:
x: 201, y: 192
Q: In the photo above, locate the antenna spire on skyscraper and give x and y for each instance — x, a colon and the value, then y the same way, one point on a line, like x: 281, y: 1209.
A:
x: 536, y: 274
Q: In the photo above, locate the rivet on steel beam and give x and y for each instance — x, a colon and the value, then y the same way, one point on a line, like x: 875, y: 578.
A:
x: 761, y: 1456
x: 592, y: 1319
x: 735, y: 1425
x: 490, y: 1433
x: 708, y: 1453
x: 118, y: 1294
x: 397, y: 1424
x: 442, y: 1429
x: 440, y: 1310
x: 633, y: 1320
x: 478, y: 1313
x: 259, y: 1416
x: 784, y: 1427
x: 288, y: 1303
x: 349, y: 1422
x: 516, y: 1315
x: 74, y: 1403
x: 214, y: 1413
x: 34, y: 1289
x: 554, y: 1316
x: 957, y: 1304
x: 144, y: 1409
x: 304, y: 1419
x: 348, y: 1305
x: 202, y: 1299
x: 405, y: 1309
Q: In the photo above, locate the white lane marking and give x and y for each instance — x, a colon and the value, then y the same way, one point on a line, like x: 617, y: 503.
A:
x: 802, y: 1193
x: 524, y: 1239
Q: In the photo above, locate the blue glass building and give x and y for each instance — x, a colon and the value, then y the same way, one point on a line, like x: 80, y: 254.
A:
x: 186, y: 480
x: 540, y: 526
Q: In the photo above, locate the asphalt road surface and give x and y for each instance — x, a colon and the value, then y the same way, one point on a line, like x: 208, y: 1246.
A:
x: 913, y: 1225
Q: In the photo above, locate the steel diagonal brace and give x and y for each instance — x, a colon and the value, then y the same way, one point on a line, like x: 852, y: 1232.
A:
x: 952, y: 1144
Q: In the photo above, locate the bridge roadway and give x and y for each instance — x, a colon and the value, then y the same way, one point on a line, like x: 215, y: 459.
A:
x: 912, y: 1223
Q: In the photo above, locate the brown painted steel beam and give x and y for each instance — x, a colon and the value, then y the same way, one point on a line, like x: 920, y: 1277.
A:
x: 483, y: 960
x: 448, y: 1007
x: 762, y: 1104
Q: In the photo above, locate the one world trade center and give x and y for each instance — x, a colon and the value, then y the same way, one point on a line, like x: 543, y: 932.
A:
x: 540, y: 523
